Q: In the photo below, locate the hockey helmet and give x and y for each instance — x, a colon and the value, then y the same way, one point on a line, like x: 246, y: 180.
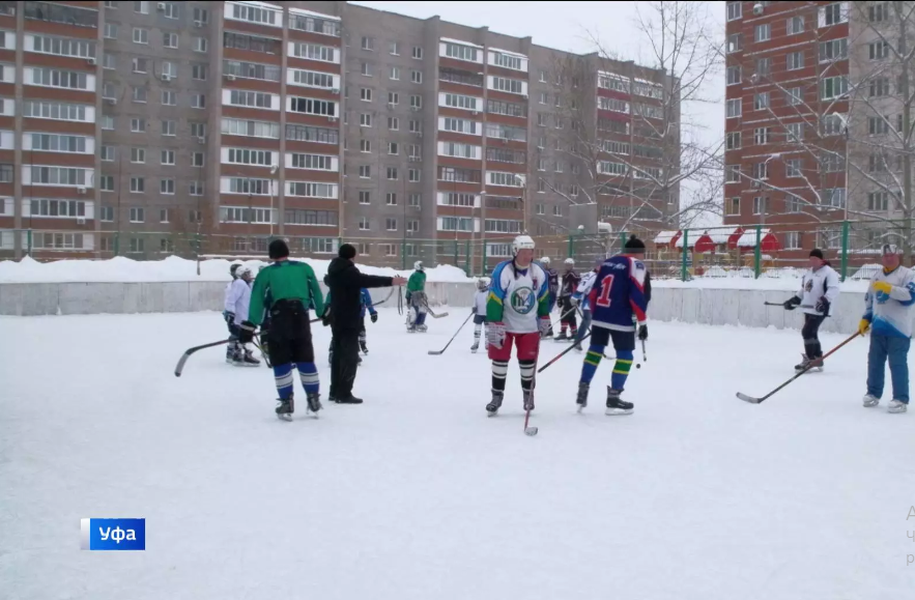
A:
x: 545, y: 260
x: 418, y: 265
x: 244, y: 270
x: 233, y: 270
x: 482, y: 283
x: 522, y: 242
x: 569, y: 261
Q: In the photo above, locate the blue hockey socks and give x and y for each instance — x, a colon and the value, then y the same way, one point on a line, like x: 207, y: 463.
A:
x: 592, y: 361
x: 308, y: 373
x: 621, y: 369
x: 283, y: 376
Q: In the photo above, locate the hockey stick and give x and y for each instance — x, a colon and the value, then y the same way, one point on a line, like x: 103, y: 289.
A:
x: 782, y: 304
x: 442, y: 351
x: 435, y: 316
x: 644, y: 358
x: 563, y: 353
x: 530, y: 431
x: 187, y: 354
x: 753, y: 400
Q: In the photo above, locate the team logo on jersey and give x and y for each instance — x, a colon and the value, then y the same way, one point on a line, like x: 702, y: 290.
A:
x: 522, y: 300
x: 808, y: 286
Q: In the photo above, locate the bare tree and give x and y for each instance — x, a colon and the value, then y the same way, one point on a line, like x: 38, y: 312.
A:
x: 643, y: 146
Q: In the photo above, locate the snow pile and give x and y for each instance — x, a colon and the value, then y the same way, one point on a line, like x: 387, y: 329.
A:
x: 173, y: 268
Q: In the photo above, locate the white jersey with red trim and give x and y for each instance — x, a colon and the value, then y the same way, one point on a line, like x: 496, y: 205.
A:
x: 619, y: 294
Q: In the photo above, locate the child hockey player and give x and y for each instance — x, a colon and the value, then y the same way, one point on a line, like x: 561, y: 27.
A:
x: 230, y: 316
x: 416, y: 299
x: 238, y: 298
x: 553, y: 278
x: 479, y: 312
x: 617, y: 295
x: 580, y: 300
x: 819, y: 290
x: 570, y: 281
x: 518, y: 313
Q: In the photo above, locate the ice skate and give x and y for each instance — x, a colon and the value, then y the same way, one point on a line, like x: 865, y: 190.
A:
x: 805, y: 362
x: 364, y: 348
x: 475, y: 347
x: 871, y: 401
x: 617, y: 406
x: 285, y: 408
x: 249, y: 360
x: 562, y: 337
x: 314, y: 403
x: 422, y: 328
x: 495, y: 404
x: 528, y: 400
x: 578, y: 347
x: 582, y: 399
x: 897, y: 406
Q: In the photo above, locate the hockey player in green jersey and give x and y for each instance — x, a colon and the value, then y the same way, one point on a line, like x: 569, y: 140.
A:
x: 416, y: 300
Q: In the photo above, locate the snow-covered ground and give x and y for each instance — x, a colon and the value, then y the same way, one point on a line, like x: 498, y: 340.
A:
x: 172, y: 268
x: 417, y: 495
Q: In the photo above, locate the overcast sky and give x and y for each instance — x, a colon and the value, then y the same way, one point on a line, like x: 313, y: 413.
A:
x: 565, y: 25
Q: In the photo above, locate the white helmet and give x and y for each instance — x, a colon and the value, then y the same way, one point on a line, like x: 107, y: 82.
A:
x: 244, y: 270
x: 569, y: 261
x: 482, y: 283
x: 522, y: 242
x: 545, y: 260
x: 233, y: 270
x: 418, y: 265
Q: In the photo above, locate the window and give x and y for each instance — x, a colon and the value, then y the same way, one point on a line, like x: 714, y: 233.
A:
x: 48, y: 109
x: 313, y: 161
x: 138, y: 155
x: 878, y: 50
x: 879, y: 12
x: 393, y: 148
x: 794, y: 132
x: 795, y: 25
x: 368, y: 43
x: 416, y: 76
x: 733, y: 75
x: 365, y: 120
x: 416, y: 102
x: 733, y: 206
x: 140, y: 35
x: 877, y: 164
x: 878, y: 87
x: 761, y: 101
x: 877, y: 201
x: 833, y: 124
x: 792, y: 240
x: 169, y: 98
x: 365, y: 146
x: 55, y: 13
x: 313, y: 107
x: 506, y: 226
x: 392, y: 174
x: 198, y: 101
x: 365, y: 197
x: 763, y: 33
x: 733, y: 140
x: 834, y: 197
x: 735, y: 10
x: 167, y: 186
x: 365, y: 171
x: 417, y: 53
x: 762, y: 135
x: 111, y: 31
x: 110, y: 61
x: 195, y: 188
x: 761, y: 205
x: 250, y: 70
x: 794, y: 96
x: 199, y: 72
x: 878, y: 125
x: 834, y: 50
x: 761, y: 170
x: 137, y: 215
x: 198, y: 130
x: 58, y: 46
x: 416, y: 126
x: 138, y: 94
x: 244, y: 156
x: 138, y: 125
x: 793, y: 167
x: 107, y: 123
x: 832, y: 14
x: 733, y: 108
x: 167, y: 157
x: 364, y: 222
x: 460, y: 52
x: 59, y: 79
x: 169, y: 39
x: 733, y: 173
x: 834, y: 87
x: 169, y: 127
x: 391, y: 199
x: 414, y: 175
x: 141, y: 7
x: 365, y: 94
x: 200, y: 44
x: 366, y: 69
x: 763, y: 67
x: 107, y: 213
x: 735, y: 42
x: 171, y: 10
x: 795, y: 61
x: 137, y: 185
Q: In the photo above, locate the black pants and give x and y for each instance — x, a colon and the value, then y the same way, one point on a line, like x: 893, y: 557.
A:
x: 567, y: 312
x: 289, y: 337
x: 811, y: 341
x: 345, y: 348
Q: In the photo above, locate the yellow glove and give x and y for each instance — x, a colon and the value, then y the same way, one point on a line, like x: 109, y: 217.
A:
x: 863, y: 326
x: 883, y: 286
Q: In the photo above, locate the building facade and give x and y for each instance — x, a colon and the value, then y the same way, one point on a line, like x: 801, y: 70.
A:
x: 150, y: 128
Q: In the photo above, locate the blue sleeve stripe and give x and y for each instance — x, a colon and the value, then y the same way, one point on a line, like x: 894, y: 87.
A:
x: 496, y: 289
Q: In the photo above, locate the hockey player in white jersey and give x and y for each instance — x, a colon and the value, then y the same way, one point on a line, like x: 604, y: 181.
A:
x: 517, y: 313
x: 580, y: 301
x: 479, y: 311
x: 888, y: 314
x: 819, y: 291
x: 230, y: 316
x: 238, y: 301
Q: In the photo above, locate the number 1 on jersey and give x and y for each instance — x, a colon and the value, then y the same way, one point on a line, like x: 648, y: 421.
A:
x: 606, y: 285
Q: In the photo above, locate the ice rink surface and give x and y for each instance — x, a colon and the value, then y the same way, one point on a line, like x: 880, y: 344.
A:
x: 416, y: 494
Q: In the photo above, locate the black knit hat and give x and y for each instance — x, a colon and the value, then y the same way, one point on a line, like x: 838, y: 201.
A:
x: 634, y: 244
x: 817, y: 253
x: 278, y: 249
x: 347, y: 251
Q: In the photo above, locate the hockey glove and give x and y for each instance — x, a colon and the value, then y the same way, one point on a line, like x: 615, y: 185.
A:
x: 495, y: 335
x: 643, y: 332
x: 374, y: 317
x: 822, y: 305
x: 246, y: 332
x: 228, y: 316
x: 545, y: 325
x: 792, y: 303
x: 863, y: 326
x: 883, y: 286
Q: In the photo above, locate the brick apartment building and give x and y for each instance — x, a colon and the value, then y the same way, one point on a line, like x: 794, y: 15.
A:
x: 129, y: 127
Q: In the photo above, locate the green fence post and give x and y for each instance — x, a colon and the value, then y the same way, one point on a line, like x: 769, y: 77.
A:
x: 844, y: 249
x: 403, y: 255
x: 483, y: 266
x: 683, y: 268
x: 571, y: 245
x: 29, y: 242
x: 467, y: 261
x: 117, y: 243
x: 757, y: 255
x: 456, y: 253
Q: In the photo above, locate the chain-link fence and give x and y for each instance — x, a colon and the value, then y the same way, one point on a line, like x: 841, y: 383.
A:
x: 749, y: 251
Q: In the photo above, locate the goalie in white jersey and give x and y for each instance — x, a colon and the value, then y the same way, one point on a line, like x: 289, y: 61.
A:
x: 517, y: 312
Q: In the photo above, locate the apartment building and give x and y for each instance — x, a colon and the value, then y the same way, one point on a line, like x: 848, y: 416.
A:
x: 130, y: 127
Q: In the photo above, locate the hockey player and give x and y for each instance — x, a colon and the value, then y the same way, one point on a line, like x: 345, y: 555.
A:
x: 617, y: 295
x: 292, y: 286
x: 230, y: 316
x: 416, y: 299
x: 518, y: 313
x: 553, y: 277
x: 819, y: 290
x: 567, y: 312
x: 889, y: 302
x: 580, y: 300
x: 479, y: 312
x: 238, y: 299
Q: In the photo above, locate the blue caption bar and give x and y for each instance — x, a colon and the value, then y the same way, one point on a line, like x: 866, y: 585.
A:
x: 112, y: 534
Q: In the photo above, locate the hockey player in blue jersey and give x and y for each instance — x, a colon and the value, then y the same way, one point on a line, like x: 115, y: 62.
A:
x: 617, y: 296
